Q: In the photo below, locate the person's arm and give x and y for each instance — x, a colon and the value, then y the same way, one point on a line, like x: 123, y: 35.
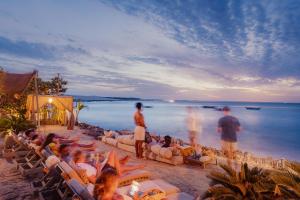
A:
x: 238, y: 126
x: 219, y: 128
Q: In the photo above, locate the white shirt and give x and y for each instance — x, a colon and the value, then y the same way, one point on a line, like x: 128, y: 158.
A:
x: 90, y: 170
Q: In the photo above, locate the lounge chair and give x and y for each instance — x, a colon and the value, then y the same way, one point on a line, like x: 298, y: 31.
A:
x: 31, y: 167
x: 180, y: 196
x: 136, y: 175
x: 160, y: 184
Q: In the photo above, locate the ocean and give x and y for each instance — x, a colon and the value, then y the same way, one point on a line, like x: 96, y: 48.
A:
x: 272, y: 131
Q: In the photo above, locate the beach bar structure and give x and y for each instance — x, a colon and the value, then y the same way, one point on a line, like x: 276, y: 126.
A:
x: 52, y: 109
x: 55, y: 109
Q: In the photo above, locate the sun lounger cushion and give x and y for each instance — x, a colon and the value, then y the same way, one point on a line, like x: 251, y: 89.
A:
x: 136, y: 175
x: 126, y: 139
x: 165, y: 153
x: 126, y: 147
x: 205, y: 158
x: 161, y: 151
x: 144, y: 187
x: 51, y: 161
x: 155, y: 148
x: 111, y: 141
x: 175, y: 160
x: 180, y: 196
x: 167, y: 187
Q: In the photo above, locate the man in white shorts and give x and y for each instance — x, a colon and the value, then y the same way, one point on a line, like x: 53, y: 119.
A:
x: 139, y: 131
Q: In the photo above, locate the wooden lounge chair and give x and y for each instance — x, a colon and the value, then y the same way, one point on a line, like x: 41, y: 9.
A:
x: 31, y: 167
x: 59, y: 190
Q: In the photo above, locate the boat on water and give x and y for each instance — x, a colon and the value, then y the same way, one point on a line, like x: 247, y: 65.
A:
x: 148, y: 106
x: 213, y: 107
x: 252, y: 108
x: 218, y: 109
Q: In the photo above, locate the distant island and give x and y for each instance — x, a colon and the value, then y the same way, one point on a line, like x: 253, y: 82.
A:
x: 99, y: 98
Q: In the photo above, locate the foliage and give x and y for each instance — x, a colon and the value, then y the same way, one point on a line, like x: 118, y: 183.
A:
x: 79, y: 107
x: 249, y: 183
x: 254, y: 183
x: 15, y: 124
x: 55, y: 86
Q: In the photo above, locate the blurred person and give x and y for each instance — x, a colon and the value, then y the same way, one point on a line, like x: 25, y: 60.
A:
x: 140, y: 130
x: 193, y: 125
x: 228, y: 126
x: 106, y: 186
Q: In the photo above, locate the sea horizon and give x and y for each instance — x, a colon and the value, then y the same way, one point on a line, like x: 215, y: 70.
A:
x: 271, y: 131
x: 85, y: 98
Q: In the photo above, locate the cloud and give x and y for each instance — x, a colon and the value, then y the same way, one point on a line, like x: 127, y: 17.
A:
x: 228, y: 50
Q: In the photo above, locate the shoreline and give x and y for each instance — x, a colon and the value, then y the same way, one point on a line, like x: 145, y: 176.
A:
x: 266, y: 162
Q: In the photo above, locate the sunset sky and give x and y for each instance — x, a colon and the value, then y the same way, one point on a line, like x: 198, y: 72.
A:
x: 204, y: 50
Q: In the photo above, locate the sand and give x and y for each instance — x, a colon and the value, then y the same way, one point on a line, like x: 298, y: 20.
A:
x: 13, y: 186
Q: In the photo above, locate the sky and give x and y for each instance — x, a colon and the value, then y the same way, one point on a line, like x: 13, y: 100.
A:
x: 169, y: 49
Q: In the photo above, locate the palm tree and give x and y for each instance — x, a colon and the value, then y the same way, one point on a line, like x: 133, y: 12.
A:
x: 79, y: 107
x: 249, y: 184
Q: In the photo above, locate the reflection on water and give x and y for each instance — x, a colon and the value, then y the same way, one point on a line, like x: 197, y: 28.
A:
x: 273, y: 130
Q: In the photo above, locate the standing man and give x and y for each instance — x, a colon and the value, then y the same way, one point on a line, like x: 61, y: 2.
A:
x: 228, y: 126
x: 140, y: 130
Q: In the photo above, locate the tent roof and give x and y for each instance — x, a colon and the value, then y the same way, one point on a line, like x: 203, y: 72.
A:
x: 11, y: 83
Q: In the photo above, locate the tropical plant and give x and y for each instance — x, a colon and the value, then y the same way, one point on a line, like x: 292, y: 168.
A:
x: 15, y: 124
x: 79, y: 106
x: 288, y: 181
x: 248, y: 183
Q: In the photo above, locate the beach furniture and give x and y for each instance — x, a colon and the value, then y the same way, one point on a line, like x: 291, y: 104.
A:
x: 165, y: 155
x: 109, y: 140
x: 203, y: 161
x: 159, y: 184
x: 48, y: 182
x: 136, y: 175
x: 32, y: 166
x: 126, y: 142
x: 79, y: 190
x: 180, y: 196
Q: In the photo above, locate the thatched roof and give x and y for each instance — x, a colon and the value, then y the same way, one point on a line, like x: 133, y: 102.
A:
x: 11, y: 84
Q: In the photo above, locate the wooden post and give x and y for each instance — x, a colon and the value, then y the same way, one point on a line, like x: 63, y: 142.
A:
x: 37, y: 99
x: 58, y: 85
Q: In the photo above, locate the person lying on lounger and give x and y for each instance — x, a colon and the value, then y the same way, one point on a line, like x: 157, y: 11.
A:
x: 110, y: 162
x: 53, y: 142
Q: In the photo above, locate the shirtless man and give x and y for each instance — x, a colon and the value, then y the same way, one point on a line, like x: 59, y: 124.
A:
x: 139, y: 131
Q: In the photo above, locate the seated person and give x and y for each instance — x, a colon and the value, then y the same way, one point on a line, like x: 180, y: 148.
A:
x: 106, y: 185
x: 167, y: 141
x: 64, y: 153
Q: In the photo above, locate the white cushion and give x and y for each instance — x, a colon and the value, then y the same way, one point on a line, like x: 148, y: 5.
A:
x: 51, y: 161
x: 165, y: 153
x: 155, y: 148
x: 205, y: 158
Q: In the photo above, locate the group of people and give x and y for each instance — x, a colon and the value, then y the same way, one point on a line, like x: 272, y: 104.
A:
x: 228, y: 126
x: 102, y: 171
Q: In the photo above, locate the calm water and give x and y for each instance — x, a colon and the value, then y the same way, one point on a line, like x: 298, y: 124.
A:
x: 273, y: 130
